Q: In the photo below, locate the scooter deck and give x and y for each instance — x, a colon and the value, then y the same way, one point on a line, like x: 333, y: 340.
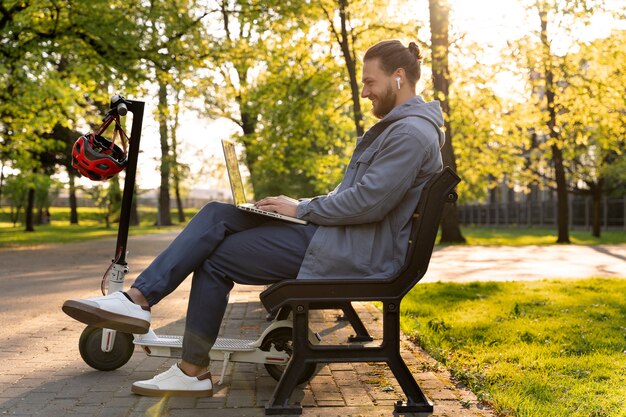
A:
x: 224, y: 349
x: 176, y: 342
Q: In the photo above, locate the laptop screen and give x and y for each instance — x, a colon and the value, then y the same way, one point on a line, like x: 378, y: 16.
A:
x: 234, y: 175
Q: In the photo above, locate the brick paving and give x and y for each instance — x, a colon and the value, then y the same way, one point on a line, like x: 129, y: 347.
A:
x: 42, y: 373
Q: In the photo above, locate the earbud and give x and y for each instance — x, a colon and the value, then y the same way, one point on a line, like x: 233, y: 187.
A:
x: 398, y: 81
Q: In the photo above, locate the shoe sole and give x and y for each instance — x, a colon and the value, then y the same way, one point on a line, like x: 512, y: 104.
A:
x: 173, y: 393
x: 97, y: 317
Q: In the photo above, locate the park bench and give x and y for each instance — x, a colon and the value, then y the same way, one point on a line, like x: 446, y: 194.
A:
x: 299, y: 297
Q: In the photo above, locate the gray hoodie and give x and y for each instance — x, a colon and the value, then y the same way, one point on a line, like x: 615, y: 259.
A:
x: 364, y: 223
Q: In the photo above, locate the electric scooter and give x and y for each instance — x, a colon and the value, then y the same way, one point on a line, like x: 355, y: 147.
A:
x: 107, y: 350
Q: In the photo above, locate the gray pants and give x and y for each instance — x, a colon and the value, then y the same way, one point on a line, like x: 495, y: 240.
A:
x: 222, y: 245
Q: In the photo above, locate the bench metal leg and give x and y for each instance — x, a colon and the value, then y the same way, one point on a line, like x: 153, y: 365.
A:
x: 362, y: 335
x: 388, y: 352
x: 279, y: 401
x: 416, y: 400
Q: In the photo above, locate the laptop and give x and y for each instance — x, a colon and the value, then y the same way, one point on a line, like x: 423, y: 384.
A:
x: 236, y: 186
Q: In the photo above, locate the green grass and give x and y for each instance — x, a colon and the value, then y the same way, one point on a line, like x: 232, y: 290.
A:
x: 91, y: 226
x: 523, y: 236
x: 548, y: 348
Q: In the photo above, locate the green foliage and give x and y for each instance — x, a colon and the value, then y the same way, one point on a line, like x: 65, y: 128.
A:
x: 487, y: 150
x: 280, y: 70
x: 301, y: 143
x: 588, y: 102
x: 50, y: 56
x: 16, y: 189
x: 595, y: 126
x: 108, y: 198
x: 288, y: 89
x: 528, y: 348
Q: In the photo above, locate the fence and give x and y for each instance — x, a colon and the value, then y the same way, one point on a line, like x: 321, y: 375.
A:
x: 544, y: 213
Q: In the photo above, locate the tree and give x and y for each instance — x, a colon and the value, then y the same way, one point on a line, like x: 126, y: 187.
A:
x: 487, y: 138
x: 439, y: 14
x: 546, y: 55
x: 595, y: 127
x: 108, y: 198
x: 304, y: 131
x: 276, y: 115
x: 180, y: 171
x: 241, y: 47
x: 46, y: 191
x: 174, y: 41
x: 16, y: 189
x: 40, y: 90
x: 555, y: 139
x: 65, y: 136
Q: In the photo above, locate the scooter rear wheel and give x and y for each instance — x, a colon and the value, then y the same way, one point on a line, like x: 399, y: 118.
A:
x: 90, y: 349
x: 282, y: 338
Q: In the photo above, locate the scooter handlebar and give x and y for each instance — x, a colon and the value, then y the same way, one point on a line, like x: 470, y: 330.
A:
x: 119, y: 104
x: 122, y: 109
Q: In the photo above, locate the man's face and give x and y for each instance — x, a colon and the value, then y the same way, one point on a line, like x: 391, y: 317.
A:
x: 378, y: 87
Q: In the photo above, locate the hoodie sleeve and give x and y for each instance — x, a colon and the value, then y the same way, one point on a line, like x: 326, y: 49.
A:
x: 391, y: 172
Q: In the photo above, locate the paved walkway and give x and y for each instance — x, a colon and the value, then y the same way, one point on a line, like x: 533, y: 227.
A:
x: 515, y: 263
x: 42, y: 374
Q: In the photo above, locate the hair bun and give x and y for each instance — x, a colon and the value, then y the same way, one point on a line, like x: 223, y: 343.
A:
x: 415, y: 50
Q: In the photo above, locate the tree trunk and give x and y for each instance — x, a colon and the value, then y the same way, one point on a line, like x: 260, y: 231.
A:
x: 134, y: 212
x: 176, y: 170
x: 248, y: 127
x: 557, y: 154
x: 596, y: 211
x: 561, y: 196
x: 348, y: 55
x: 165, y: 218
x: 73, y: 201
x: 30, y: 206
x: 1, y: 180
x: 179, y: 203
x: 439, y: 13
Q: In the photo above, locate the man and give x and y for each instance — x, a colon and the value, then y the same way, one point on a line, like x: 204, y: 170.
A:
x: 361, y: 229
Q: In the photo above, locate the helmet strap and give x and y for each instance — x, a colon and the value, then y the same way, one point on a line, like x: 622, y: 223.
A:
x: 123, y: 136
x: 105, y: 124
x: 117, y: 130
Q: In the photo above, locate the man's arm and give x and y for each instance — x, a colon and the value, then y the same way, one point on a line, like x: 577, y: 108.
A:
x: 383, y: 186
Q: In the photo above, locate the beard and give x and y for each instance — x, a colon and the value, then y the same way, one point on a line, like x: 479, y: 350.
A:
x: 384, y: 104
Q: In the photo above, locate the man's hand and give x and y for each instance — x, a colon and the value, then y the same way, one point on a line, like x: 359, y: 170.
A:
x: 281, y: 205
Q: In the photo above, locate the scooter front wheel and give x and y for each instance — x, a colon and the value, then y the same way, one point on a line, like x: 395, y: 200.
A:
x: 282, y: 340
x: 90, y: 343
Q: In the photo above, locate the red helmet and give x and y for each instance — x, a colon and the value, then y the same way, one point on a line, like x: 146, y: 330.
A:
x: 97, y: 158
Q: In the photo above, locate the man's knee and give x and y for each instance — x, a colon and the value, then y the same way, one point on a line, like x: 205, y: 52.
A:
x: 217, y: 208
x: 215, y: 205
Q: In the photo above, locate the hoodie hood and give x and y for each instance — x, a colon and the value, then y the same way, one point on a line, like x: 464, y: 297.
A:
x: 417, y: 107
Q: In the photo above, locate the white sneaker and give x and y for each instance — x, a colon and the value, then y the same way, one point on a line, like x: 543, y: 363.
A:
x: 114, y: 311
x: 174, y: 382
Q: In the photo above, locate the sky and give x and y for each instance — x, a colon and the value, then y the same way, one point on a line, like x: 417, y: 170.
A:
x: 489, y: 22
